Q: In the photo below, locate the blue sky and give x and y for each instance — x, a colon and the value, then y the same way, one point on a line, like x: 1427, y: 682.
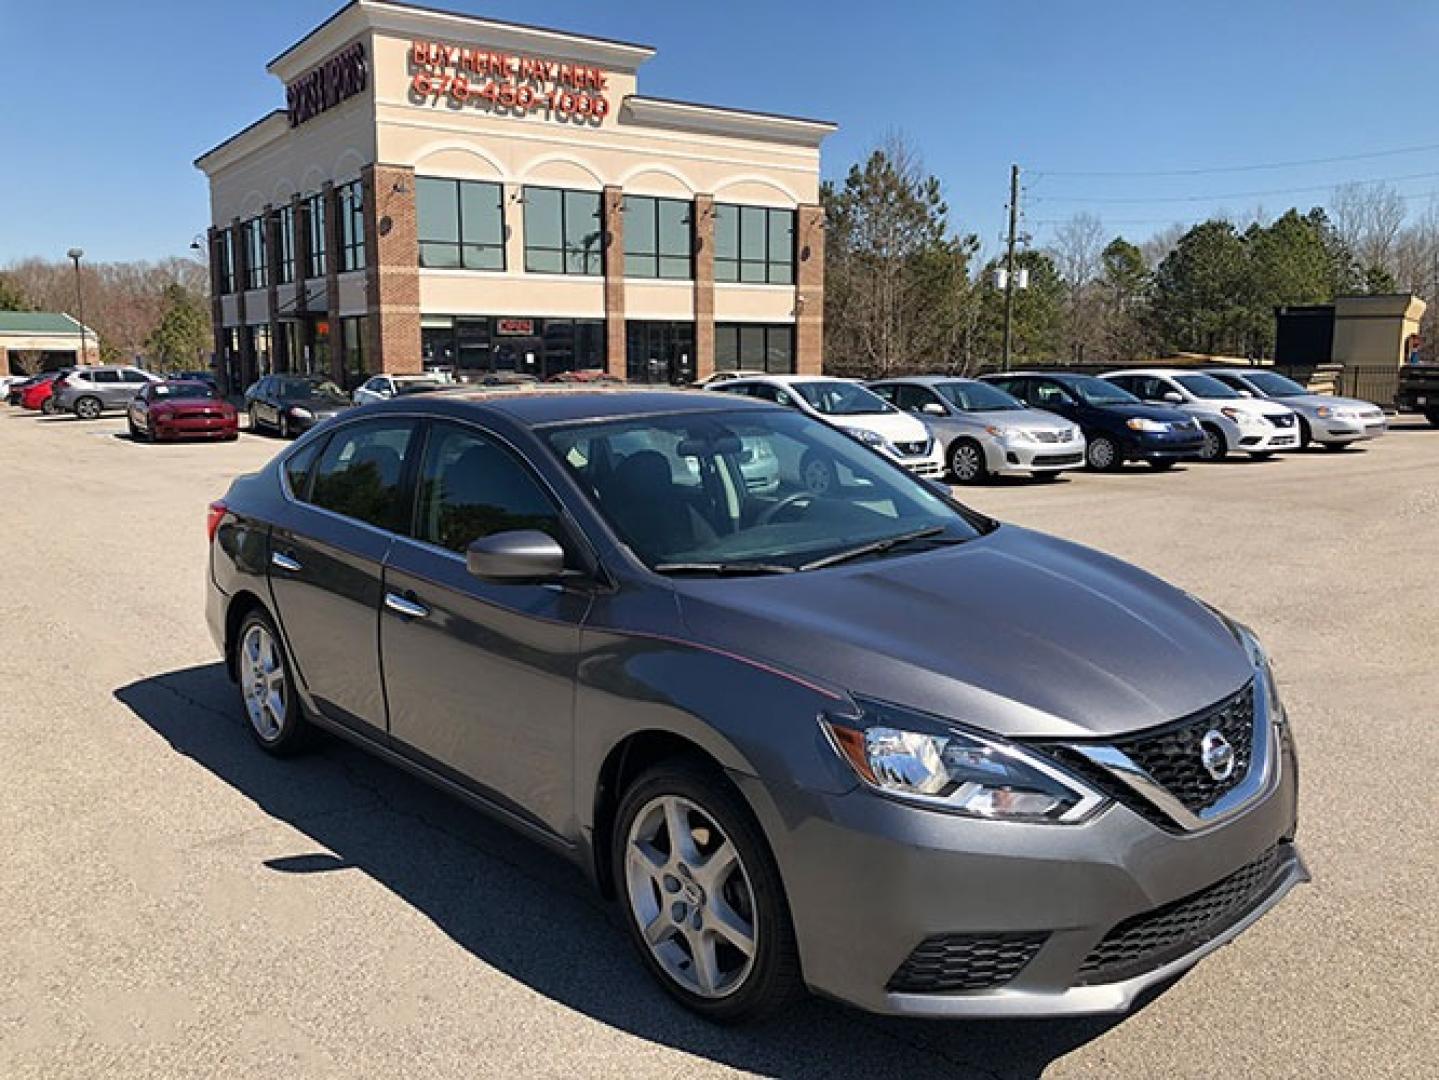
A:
x: 105, y: 105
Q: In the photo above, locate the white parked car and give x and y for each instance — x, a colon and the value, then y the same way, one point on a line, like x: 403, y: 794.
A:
x: 1230, y: 421
x: 858, y: 412
x: 1332, y: 422
x: 384, y: 387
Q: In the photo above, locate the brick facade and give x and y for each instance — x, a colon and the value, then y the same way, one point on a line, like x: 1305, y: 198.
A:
x: 809, y: 291
x: 392, y: 274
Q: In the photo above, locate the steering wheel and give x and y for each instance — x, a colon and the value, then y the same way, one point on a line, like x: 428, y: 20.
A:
x: 770, y: 513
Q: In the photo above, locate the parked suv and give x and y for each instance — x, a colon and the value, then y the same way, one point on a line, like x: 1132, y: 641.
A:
x: 1230, y: 421
x: 1332, y: 422
x: 863, y: 740
x: 983, y: 430
x: 847, y: 405
x: 90, y: 391
x: 1117, y: 426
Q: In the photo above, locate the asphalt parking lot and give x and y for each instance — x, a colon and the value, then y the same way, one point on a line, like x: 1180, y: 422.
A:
x: 172, y: 903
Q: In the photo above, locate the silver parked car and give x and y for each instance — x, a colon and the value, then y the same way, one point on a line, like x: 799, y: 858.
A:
x: 90, y: 391
x: 863, y: 739
x: 985, y: 431
x: 1332, y: 422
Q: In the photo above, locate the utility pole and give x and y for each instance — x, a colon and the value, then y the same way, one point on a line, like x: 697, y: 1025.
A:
x: 75, y: 255
x: 1009, y: 265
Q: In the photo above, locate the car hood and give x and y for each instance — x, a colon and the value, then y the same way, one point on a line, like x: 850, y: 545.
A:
x: 1023, y: 419
x: 318, y: 406
x: 1136, y: 410
x: 1317, y: 401
x: 896, y: 426
x: 1253, y: 406
x: 1014, y: 632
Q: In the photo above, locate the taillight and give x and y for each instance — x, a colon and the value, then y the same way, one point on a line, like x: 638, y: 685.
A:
x: 212, y: 520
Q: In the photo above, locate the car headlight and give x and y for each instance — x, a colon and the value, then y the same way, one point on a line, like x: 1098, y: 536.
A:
x: 869, y: 438
x: 1258, y: 659
x: 300, y: 413
x: 1139, y: 423
x: 959, y: 772
x: 1234, y: 414
x: 1323, y: 412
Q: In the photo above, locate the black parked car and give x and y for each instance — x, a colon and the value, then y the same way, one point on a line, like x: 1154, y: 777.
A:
x: 290, y: 404
x: 1117, y: 426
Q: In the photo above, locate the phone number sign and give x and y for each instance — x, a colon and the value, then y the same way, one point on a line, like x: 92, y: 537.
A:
x: 507, y: 83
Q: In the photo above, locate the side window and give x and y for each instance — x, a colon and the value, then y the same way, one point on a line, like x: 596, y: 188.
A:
x: 763, y: 391
x: 470, y: 488
x: 133, y: 377
x: 1018, y: 387
x: 1050, y: 393
x: 361, y: 471
x: 105, y: 378
x: 1160, y: 387
x: 297, y: 468
x: 911, y: 398
x: 887, y: 392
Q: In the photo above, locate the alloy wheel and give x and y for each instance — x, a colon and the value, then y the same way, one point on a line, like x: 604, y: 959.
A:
x: 262, y: 682
x: 1101, y: 454
x: 1213, y: 445
x: 966, y: 462
x: 87, y: 408
x: 691, y: 897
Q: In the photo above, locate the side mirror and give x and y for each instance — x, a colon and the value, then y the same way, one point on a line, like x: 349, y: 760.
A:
x: 1174, y: 397
x: 932, y: 408
x: 516, y: 556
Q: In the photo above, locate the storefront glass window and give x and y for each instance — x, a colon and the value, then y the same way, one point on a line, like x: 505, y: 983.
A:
x: 225, y: 241
x: 352, y: 344
x: 315, y: 230
x: 659, y: 352
x: 562, y: 232
x: 285, y: 257
x: 658, y: 238
x: 256, y: 269
x: 461, y: 224
x: 754, y: 244
x: 350, y: 202
x: 473, y: 347
x: 754, y: 347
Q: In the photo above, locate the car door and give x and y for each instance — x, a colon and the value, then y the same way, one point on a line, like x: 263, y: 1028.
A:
x: 131, y: 383
x: 480, y: 675
x: 326, y: 563
x: 139, y: 409
x: 105, y: 384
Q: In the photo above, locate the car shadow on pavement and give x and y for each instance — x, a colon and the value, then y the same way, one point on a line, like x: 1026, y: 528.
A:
x: 531, y: 915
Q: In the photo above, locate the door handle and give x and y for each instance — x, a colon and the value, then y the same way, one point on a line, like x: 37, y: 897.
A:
x: 284, y: 562
x: 405, y: 607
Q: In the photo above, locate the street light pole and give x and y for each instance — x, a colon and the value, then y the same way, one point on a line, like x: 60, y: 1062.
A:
x: 1009, y: 265
x: 75, y: 255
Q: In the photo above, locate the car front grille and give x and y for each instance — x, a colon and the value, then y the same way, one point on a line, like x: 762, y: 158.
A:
x: 1058, y: 459
x: 1054, y: 436
x: 1154, y: 938
x: 1173, y: 755
x: 1285, y: 421
x: 914, y: 449
x: 948, y: 963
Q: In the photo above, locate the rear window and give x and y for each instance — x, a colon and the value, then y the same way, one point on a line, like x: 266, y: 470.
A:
x: 188, y: 390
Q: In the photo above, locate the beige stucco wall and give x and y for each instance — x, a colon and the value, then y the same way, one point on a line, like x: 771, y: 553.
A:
x: 1374, y: 329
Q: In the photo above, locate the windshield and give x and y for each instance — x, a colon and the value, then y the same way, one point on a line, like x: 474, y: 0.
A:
x: 977, y: 397
x: 184, y: 390
x: 840, y: 398
x: 1274, y: 385
x: 1094, y: 391
x: 1205, y: 386
x: 751, y: 492
x: 292, y: 389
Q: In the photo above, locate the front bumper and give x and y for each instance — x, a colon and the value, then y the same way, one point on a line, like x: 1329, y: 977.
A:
x: 931, y: 464
x: 1344, y: 431
x: 1164, y: 447
x: 1016, y: 457
x: 869, y: 880
x: 1265, y: 438
x: 211, y: 427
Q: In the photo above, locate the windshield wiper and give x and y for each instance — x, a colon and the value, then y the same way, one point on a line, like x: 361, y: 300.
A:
x: 875, y: 547
x: 722, y: 568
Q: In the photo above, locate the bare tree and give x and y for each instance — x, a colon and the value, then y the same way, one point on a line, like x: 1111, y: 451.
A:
x: 1368, y: 219
x: 1076, y: 251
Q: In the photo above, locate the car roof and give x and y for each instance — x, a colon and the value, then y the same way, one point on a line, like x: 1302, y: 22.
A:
x: 1032, y: 373
x: 790, y: 380
x: 1167, y: 372
x: 539, y: 405
x: 924, y: 380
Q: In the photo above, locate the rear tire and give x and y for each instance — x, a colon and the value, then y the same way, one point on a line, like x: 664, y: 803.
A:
x: 89, y: 408
x: 1102, y: 455
x: 697, y: 914
x: 1214, y: 447
x: 267, y: 690
x: 966, y: 462
x: 47, y: 407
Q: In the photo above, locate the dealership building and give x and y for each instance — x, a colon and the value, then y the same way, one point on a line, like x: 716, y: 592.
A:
x: 447, y: 191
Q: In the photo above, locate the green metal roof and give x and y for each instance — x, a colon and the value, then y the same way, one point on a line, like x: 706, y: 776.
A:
x: 37, y: 322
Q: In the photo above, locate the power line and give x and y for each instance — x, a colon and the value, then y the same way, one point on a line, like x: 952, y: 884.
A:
x: 1255, y: 167
x: 1120, y: 201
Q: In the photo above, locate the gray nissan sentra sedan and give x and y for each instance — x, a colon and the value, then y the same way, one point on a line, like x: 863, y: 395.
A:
x: 867, y: 742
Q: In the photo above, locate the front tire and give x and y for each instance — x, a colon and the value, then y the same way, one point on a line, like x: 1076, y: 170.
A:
x: 702, y: 896
x: 1306, y: 434
x: 47, y: 407
x: 88, y: 408
x: 966, y: 462
x: 267, y: 690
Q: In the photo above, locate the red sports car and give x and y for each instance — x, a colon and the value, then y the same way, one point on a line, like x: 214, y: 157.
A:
x: 175, y: 409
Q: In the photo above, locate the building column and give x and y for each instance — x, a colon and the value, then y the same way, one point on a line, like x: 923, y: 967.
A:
x: 332, y: 280
x: 300, y: 211
x: 703, y: 212
x: 613, y: 224
x: 809, y: 291
x: 219, y: 360
x: 242, y: 276
x: 272, y: 284
x: 392, y: 269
